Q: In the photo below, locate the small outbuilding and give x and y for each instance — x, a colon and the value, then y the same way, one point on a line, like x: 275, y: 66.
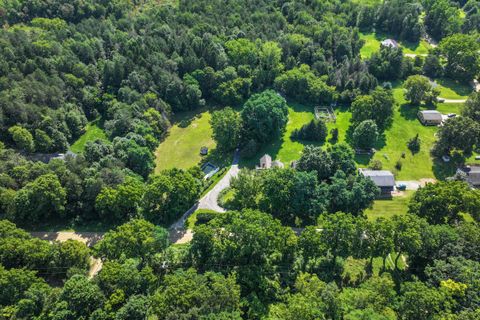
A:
x: 383, y: 179
x: 430, y: 117
x: 267, y: 163
x: 203, y: 151
x: 390, y: 43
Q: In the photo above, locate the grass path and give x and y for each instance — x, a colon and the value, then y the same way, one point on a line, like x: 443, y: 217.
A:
x: 93, y: 132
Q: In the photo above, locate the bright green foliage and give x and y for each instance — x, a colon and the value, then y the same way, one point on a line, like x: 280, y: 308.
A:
x: 302, y: 84
x: 472, y: 107
x: 445, y: 202
x: 22, y: 138
x: 377, y: 106
x: 169, y: 194
x: 463, y: 59
x: 122, y: 202
x: 420, y: 89
x: 365, y: 134
x: 251, y: 243
x: 135, y: 239
x: 42, y: 198
x: 189, y: 295
x: 227, y: 126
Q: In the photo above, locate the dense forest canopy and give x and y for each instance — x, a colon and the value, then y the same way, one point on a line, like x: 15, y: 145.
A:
x: 296, y: 242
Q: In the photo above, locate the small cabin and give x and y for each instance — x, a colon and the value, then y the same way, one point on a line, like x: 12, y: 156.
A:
x: 430, y: 117
x: 390, y: 43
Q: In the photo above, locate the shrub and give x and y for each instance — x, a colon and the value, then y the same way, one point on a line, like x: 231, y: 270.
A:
x: 414, y: 144
x: 315, y: 130
x: 375, y: 165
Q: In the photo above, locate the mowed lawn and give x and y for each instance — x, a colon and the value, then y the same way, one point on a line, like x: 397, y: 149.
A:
x: 450, y: 89
x: 373, y: 40
x: 386, y: 208
x: 93, y: 132
x: 181, y: 148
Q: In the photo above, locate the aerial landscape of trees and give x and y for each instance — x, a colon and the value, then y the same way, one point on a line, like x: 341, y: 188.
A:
x: 298, y: 241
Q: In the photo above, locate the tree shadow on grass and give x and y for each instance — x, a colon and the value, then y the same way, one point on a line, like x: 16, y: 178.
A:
x: 459, y: 88
x: 443, y: 170
x: 408, y: 111
x: 219, y: 157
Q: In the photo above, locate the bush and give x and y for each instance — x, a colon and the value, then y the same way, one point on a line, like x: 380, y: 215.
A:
x: 316, y: 130
x: 398, y: 165
x: 414, y: 144
x: 334, y: 134
x: 205, y: 216
x: 375, y: 165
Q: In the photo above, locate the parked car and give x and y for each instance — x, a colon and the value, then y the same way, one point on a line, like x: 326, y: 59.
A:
x: 441, y: 100
x: 401, y: 187
x: 451, y: 115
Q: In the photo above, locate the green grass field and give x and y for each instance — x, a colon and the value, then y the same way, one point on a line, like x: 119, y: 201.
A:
x: 386, y: 208
x: 450, y: 89
x: 93, y: 132
x: 181, y: 149
x: 373, y: 40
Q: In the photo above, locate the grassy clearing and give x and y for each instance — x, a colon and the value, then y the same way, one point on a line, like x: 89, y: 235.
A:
x: 181, y: 149
x: 386, y: 208
x: 450, y: 89
x: 354, y: 269
x: 372, y: 45
x: 284, y: 148
x: 373, y: 40
x: 93, y: 131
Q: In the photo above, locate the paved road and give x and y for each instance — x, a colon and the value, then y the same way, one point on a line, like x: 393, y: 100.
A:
x: 210, y: 200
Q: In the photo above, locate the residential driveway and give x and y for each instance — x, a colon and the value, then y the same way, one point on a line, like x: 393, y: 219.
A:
x: 453, y: 100
x: 210, y: 200
x: 415, y: 185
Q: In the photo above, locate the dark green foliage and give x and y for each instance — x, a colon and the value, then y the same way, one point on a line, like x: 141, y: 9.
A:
x: 414, y: 144
x: 365, y: 135
x: 135, y: 239
x: 316, y: 131
x: 264, y: 117
x: 190, y: 295
x: 444, y: 202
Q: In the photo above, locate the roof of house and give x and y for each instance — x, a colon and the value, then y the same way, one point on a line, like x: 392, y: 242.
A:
x: 381, y: 178
x: 473, y: 175
x: 431, y: 115
x: 390, y: 43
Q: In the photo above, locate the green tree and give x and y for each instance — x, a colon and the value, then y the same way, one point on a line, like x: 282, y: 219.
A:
x: 82, y: 296
x: 365, y: 134
x: 471, y: 108
x: 378, y: 106
x: 442, y: 18
x: 122, y: 202
x: 42, y: 198
x: 264, y: 117
x: 252, y: 244
x: 418, y: 88
x: 226, y: 125
x: 444, y: 202
x: 169, y: 194
x: 22, y: 138
x: 316, y: 159
x: 134, y: 239
x: 418, y: 301
x: 463, y: 59
x: 189, y: 295
x: 459, y: 133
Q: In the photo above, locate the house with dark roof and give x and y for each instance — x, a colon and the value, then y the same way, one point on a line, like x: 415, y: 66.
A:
x: 383, y: 179
x: 430, y: 117
x: 472, y: 175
